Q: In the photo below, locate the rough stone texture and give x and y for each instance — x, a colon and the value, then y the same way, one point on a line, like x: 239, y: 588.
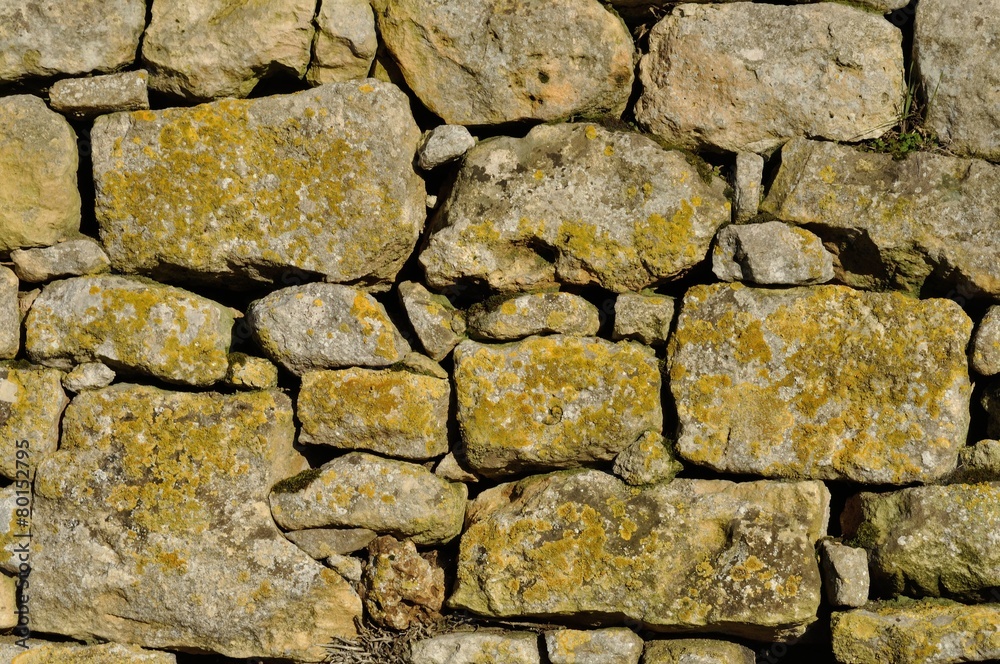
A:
x: 533, y: 313
x: 821, y: 383
x: 438, y: 324
x: 575, y: 204
x: 39, y: 199
x: 349, y: 567
x: 746, y: 77
x: 689, y: 554
x: 14, y: 529
x: 88, y: 376
x: 401, y: 586
x: 930, y: 541
x: 958, y: 74
x: 978, y: 463
x: 156, y: 502
x: 285, y: 186
x: 649, y: 460
x: 747, y: 186
x: 906, y: 632
x: 493, y: 61
x: 394, y: 413
x: 31, y: 403
x: 105, y: 653
x: 359, y: 490
x: 553, y: 402
x: 89, y: 97
x: 986, y: 344
x: 478, y: 648
x: 8, y: 602
x: 614, y: 645
x: 40, y: 38
x: 10, y: 315
x: 73, y: 258
x: 772, y: 253
x: 643, y: 317
x: 896, y: 222
x: 246, y: 372
x: 845, y: 573
x: 325, y: 542
x: 206, y: 49
x: 132, y: 325
x: 697, y: 651
x: 443, y: 145
x: 451, y: 469
x: 640, y: 8
x: 323, y: 326
x: 345, y: 42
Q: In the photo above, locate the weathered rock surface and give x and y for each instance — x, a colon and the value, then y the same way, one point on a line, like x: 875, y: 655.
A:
x: 73, y: 258
x: 710, y: 81
x: 15, y: 525
x: 401, y: 586
x: 906, y: 632
x: 957, y: 73
x: 986, y: 344
x: 39, y: 199
x: 88, y: 376
x: 349, y: 567
x: 771, y: 253
x: 443, y: 145
x: 748, y: 187
x: 576, y: 204
x: 31, y: 403
x: 553, y: 402
x: 643, y: 317
x: 246, y: 372
x: 438, y: 324
x: 89, y: 97
x: 105, y: 653
x: 156, y: 502
x: 325, y: 542
x: 492, y: 62
x: 322, y: 326
x: 132, y: 325
x: 613, y: 645
x: 206, y: 49
x: 345, y: 42
x: 845, y: 573
x: 10, y: 315
x: 634, y: 8
x: 359, y: 490
x: 395, y: 413
x: 533, y: 313
x: 822, y: 383
x: 450, y: 468
x: 285, y: 186
x: 686, y: 555
x: 8, y: 602
x: 477, y: 647
x: 978, y: 463
x: 896, y: 222
x: 929, y: 541
x: 648, y: 460
x: 40, y: 38
x: 697, y: 651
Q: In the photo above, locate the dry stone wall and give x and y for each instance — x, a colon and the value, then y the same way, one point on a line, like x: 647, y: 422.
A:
x: 499, y: 332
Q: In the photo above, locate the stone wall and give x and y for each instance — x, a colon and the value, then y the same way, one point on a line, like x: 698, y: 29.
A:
x: 499, y: 331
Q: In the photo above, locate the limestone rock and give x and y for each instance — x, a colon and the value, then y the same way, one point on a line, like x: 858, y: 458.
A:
x: 321, y: 326
x: 8, y: 602
x: 31, y: 403
x: 907, y: 632
x: 132, y: 325
x: 553, y: 402
x: 533, y: 313
x: 747, y: 186
x: 640, y: 8
x: 422, y: 366
x: 15, y: 529
x: 821, y: 383
x: 649, y: 460
x: 443, y: 145
x: 493, y: 61
x: 438, y: 324
x: 246, y: 372
x: 401, y: 586
x: 88, y: 376
x: 395, y: 413
x: 958, y: 74
x: 978, y: 463
x: 688, y: 554
x: 89, y: 97
x: 697, y: 651
x: 574, y: 204
x: 929, y: 541
x: 322, y: 543
x: 746, y: 77
x: 156, y: 502
x: 105, y: 653
x: 73, y: 258
x: 10, y: 315
x: 206, y: 49
x: 895, y: 222
x: 986, y: 344
x: 613, y: 645
x: 39, y: 199
x: 451, y: 469
x: 644, y: 317
x: 845, y: 573
x: 285, y: 186
x: 345, y: 42
x: 359, y: 490
x: 41, y: 39
x: 476, y: 647
x: 771, y: 253
x: 349, y: 567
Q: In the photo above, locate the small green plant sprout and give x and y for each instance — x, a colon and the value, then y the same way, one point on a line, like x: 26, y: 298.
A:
x: 908, y: 134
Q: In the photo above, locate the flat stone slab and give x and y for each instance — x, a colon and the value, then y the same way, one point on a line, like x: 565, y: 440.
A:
x: 533, y: 313
x: 89, y: 97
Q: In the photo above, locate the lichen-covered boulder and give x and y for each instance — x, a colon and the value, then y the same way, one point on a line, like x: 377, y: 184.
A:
x: 929, y: 541
x: 574, y: 204
x: 612, y: 645
x: 643, y: 317
x: 771, y: 253
x: 345, y: 42
x: 823, y: 383
x: 749, y: 76
x: 648, y: 460
x: 438, y: 324
x: 284, y: 186
x: 697, y: 651
x: 553, y: 402
x: 31, y: 403
x: 84, y: 98
x: 493, y: 61
x: 132, y: 325
x: 156, y: 503
x: 688, y: 554
x: 246, y: 372
x: 985, y: 356
x: 73, y: 258
x: 533, y: 313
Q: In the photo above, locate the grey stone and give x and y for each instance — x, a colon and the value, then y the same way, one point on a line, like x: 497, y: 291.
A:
x: 402, y: 587
x: 451, y: 469
x: 88, y: 376
x: 746, y: 77
x: 246, y: 372
x: 323, y: 326
x: 697, y: 651
x: 573, y: 204
x: 533, y: 313
x: 349, y: 567
x: 643, y: 317
x: 345, y: 43
x: 978, y: 463
x: 10, y: 315
x: 772, y: 253
x: 89, y: 97
x: 443, y: 145
x: 31, y: 404
x: 649, y: 460
x: 986, y: 344
x: 845, y: 573
x: 481, y: 646
x: 613, y: 645
x: 103, y: 653
x: 438, y: 324
x: 15, y: 528
x: 322, y: 543
x: 73, y: 258
x: 747, y: 186
x: 493, y: 61
x: 641, y: 8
